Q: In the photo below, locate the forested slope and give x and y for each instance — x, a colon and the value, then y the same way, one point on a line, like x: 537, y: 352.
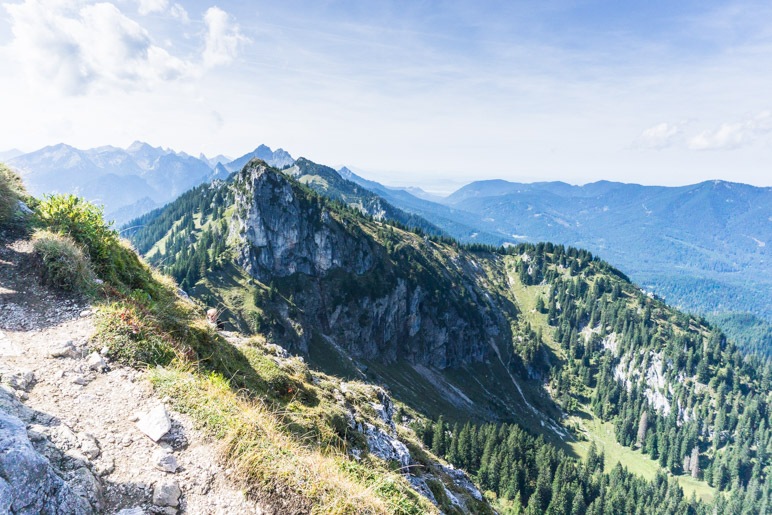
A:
x: 542, y: 335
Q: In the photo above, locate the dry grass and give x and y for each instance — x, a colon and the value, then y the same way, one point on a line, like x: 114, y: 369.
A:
x: 276, y: 467
x: 64, y: 264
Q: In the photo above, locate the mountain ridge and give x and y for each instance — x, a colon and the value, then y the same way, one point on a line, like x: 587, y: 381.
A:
x: 544, y: 335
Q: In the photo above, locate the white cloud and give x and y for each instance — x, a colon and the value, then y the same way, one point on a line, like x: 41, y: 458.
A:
x: 76, y: 46
x: 660, y: 136
x: 223, y: 38
x: 733, y: 135
x: 152, y: 6
x: 179, y: 12
x: 162, y: 6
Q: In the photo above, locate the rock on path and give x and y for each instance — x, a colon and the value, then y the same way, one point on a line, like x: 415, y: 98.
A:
x: 76, y: 422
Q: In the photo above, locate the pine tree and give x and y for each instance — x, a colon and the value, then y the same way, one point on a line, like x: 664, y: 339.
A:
x: 643, y: 426
x: 695, y: 462
x: 439, y: 446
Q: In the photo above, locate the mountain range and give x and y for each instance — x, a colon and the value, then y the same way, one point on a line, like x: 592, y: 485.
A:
x: 549, y: 380
x: 703, y: 247
x: 127, y: 182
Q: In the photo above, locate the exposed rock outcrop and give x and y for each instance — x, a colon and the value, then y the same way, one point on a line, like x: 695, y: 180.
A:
x: 387, y: 304
x: 29, y: 483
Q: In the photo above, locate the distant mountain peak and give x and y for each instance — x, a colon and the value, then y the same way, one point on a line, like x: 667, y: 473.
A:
x: 278, y: 158
x: 140, y: 146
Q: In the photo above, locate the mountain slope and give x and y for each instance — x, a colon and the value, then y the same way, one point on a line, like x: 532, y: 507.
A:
x: 546, y: 336
x: 270, y: 434
x: 701, y: 246
x: 399, y: 298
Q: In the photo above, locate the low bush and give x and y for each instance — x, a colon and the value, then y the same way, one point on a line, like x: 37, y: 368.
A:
x: 113, y: 259
x: 11, y: 191
x: 63, y: 263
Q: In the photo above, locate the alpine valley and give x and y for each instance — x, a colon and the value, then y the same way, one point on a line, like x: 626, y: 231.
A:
x: 376, y: 350
x: 542, y: 371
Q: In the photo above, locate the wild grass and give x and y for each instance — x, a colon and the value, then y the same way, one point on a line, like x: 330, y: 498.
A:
x: 277, y: 467
x: 64, y: 264
x: 11, y: 191
x: 602, y: 433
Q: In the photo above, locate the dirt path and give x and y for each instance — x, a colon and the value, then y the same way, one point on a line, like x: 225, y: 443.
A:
x: 82, y: 417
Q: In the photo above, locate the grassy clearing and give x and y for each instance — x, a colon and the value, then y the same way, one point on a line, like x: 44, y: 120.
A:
x: 602, y: 433
x: 275, y: 466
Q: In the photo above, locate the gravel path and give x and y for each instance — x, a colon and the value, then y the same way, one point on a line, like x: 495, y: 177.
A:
x: 84, y: 416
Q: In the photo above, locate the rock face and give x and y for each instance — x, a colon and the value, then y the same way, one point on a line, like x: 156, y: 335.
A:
x: 28, y: 482
x: 383, y: 441
x: 282, y: 233
x: 378, y: 302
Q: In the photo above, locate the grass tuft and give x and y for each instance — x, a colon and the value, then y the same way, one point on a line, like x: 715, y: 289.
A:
x: 277, y: 467
x: 11, y: 191
x: 64, y: 264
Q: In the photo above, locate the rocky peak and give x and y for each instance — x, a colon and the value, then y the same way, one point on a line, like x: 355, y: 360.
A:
x: 281, y: 230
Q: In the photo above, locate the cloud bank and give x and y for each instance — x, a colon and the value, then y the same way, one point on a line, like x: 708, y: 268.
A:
x: 725, y: 136
x: 76, y: 46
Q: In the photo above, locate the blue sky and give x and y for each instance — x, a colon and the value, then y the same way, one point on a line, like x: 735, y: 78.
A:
x: 433, y: 94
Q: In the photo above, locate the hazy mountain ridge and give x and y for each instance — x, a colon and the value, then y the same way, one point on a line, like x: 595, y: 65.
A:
x: 715, y: 231
x: 278, y: 158
x: 705, y: 247
x: 128, y: 182
x: 464, y: 226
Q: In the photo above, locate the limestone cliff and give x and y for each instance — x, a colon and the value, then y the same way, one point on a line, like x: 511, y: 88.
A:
x: 384, y: 300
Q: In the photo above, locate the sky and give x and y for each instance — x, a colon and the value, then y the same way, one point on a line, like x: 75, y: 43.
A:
x: 416, y: 93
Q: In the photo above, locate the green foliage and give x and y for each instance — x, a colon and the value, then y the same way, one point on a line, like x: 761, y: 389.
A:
x: 526, y: 473
x: 63, y: 263
x: 11, y: 191
x: 82, y: 221
x: 751, y: 333
x: 113, y: 261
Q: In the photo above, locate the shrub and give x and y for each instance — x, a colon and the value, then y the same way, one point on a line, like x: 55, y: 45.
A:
x: 82, y: 220
x: 11, y: 190
x: 113, y: 260
x: 64, y: 265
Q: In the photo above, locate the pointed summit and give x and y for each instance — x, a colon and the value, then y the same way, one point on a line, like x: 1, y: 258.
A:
x: 278, y: 158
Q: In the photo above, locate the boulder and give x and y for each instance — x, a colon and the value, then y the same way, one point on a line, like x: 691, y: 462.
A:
x: 166, y: 493
x: 18, y: 379
x: 96, y: 362
x: 28, y: 482
x: 63, y: 350
x: 165, y: 460
x: 155, y: 423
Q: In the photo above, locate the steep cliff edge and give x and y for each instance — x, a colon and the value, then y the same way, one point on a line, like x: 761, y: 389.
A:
x: 376, y: 294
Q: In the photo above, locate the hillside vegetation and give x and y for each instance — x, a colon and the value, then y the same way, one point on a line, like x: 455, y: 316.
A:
x: 544, y: 336
x: 299, y: 441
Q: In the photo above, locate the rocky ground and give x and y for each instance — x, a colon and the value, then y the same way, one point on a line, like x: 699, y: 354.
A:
x: 81, y: 435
